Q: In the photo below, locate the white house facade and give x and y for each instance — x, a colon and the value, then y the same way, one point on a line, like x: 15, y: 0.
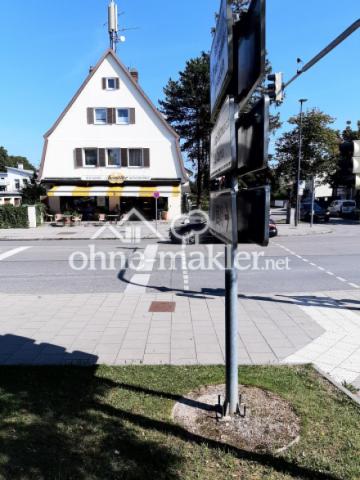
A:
x: 111, y: 149
x: 11, y: 184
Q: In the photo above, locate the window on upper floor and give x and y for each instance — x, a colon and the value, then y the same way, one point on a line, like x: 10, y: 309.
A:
x: 110, y: 83
x: 100, y: 116
x: 17, y: 184
x: 135, y: 157
x: 122, y: 116
x: 90, y: 157
x: 25, y: 182
x: 113, y: 157
x: 2, y: 188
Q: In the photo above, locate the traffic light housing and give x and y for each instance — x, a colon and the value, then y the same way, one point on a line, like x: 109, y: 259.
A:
x: 275, y: 89
x: 350, y: 160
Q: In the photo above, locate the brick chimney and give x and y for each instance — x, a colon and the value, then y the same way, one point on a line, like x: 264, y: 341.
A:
x: 135, y: 74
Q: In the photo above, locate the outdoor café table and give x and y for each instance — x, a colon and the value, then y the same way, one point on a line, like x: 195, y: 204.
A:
x: 113, y: 218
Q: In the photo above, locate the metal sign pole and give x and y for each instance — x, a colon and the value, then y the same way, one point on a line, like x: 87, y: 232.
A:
x: 231, y: 310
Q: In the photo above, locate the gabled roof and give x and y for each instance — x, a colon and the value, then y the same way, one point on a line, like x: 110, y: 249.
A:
x: 140, y: 90
x: 127, y: 73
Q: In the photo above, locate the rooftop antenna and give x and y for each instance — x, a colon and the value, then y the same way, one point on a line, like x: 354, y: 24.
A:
x: 113, y: 25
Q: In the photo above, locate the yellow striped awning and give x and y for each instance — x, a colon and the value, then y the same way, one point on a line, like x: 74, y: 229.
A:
x: 114, y: 191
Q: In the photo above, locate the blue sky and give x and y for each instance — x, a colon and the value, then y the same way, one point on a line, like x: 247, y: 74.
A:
x: 48, y: 46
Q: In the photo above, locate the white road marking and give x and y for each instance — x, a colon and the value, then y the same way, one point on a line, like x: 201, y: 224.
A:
x: 184, y: 268
x: 149, y: 258
x: 337, y: 350
x: 138, y: 284
x: 12, y: 252
x: 322, y: 269
x: 140, y: 281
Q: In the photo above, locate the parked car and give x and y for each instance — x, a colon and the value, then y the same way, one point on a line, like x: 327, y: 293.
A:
x: 273, y: 231
x: 342, y: 207
x: 320, y: 214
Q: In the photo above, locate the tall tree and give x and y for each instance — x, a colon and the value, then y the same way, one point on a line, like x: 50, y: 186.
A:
x: 320, y: 148
x: 187, y: 108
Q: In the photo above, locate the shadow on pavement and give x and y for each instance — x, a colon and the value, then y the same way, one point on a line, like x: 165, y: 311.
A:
x: 72, y: 422
x: 307, y: 300
x: 17, y: 350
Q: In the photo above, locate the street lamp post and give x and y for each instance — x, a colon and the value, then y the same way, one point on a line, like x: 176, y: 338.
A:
x: 297, y: 212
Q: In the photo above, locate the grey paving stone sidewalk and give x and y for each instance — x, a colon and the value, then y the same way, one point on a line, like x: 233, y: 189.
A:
x: 118, y: 329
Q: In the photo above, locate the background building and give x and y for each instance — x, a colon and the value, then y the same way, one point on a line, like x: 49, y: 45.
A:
x: 12, y: 182
x: 111, y: 149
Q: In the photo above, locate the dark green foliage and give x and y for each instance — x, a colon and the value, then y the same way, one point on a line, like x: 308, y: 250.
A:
x: 187, y: 108
x: 13, y: 217
x: 32, y: 192
x: 13, y: 161
x: 320, y: 148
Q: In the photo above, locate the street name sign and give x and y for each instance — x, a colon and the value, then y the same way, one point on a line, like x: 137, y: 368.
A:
x: 253, y: 138
x: 249, y: 41
x: 221, y: 57
x: 223, y: 141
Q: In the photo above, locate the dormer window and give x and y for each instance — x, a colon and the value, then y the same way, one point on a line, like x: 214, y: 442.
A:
x: 111, y: 83
x: 100, y: 116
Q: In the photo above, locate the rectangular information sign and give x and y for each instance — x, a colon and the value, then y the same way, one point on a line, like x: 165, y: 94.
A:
x: 253, y: 138
x: 221, y: 224
x: 221, y: 57
x: 223, y: 141
x: 250, y: 44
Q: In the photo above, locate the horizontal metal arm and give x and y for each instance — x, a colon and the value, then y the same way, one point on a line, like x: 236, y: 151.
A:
x: 325, y: 51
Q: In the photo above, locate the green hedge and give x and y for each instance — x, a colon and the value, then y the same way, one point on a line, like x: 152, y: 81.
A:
x: 13, y: 217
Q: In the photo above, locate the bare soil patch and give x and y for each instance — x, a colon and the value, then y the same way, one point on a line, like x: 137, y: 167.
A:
x: 270, y: 423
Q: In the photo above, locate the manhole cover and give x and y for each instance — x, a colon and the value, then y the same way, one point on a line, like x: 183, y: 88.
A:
x: 162, y: 307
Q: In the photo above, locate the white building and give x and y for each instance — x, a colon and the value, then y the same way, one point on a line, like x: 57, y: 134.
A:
x: 111, y: 149
x: 12, y: 182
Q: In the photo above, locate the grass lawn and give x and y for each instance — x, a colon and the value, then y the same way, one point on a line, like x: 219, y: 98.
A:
x: 114, y: 422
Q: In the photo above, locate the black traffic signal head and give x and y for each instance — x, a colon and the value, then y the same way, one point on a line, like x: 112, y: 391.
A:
x: 276, y: 87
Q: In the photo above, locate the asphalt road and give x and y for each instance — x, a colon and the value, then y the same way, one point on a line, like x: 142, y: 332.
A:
x: 290, y: 264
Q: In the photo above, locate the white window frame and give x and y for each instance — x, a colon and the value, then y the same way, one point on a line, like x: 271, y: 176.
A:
x: 17, y: 184
x: 142, y: 158
x: 117, y: 116
x: 97, y: 157
x: 107, y: 157
x: 107, y: 83
x: 96, y: 122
